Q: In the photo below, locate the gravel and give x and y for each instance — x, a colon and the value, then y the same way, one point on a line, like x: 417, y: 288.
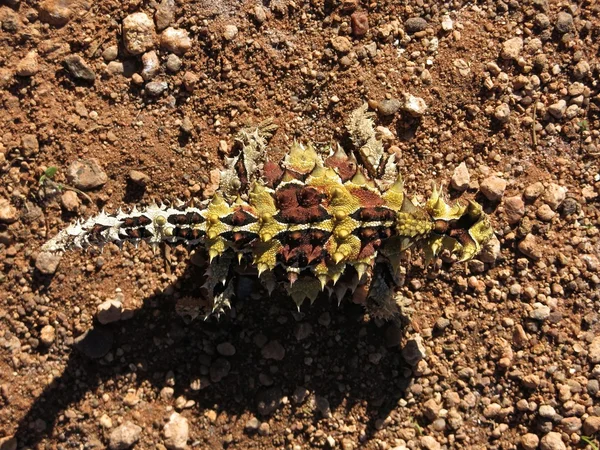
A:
x: 29, y: 65
x: 493, y: 188
x: 175, y: 41
x: 460, y: 178
x: 124, y: 436
x: 176, y: 432
x: 139, y: 34
x: 413, y: 25
x: 79, y: 69
x: 86, y: 174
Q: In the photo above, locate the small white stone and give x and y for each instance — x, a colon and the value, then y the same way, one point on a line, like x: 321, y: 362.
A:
x: 415, y: 106
x: 109, y: 311
x: 139, y: 34
x: 176, y: 41
x: 124, y: 436
x: 176, y: 432
x: 460, y: 177
x: 230, y: 32
x: 447, y: 23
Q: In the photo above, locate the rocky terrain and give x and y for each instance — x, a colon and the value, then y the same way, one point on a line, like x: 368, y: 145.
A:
x: 111, y: 104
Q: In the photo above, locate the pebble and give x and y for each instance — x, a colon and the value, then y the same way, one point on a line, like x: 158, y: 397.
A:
x: 511, y: 49
x: 533, y: 191
x: 557, y: 110
x: 69, y: 200
x: 323, y: 407
x: 176, y: 432
x: 273, y: 350
x: 359, y: 21
x: 302, y: 331
x: 414, y: 350
x: 552, y: 441
x: 105, y: 421
x: 591, y: 425
x: 252, y: 424
x: 414, y: 25
x: 47, y: 262
x: 415, y: 106
x: 388, y: 107
x: 8, y: 443
x: 259, y: 14
x: 460, y: 177
x: 173, y: 63
x: 47, y: 335
x: 493, y: 188
x: 86, y: 174
x: 176, y: 41
x: 554, y: 195
x: 124, y: 436
x: 150, y: 65
x: 299, y: 395
x: 156, y: 88
x: 187, y: 126
x: 429, y: 443
x: 55, y: 12
x: 109, y: 311
x: 139, y: 34
x: 564, y: 22
x: 79, y: 68
x: 530, y: 441
x: 542, y: 21
x: 594, y: 351
x: 165, y: 14
x: 8, y: 213
x: 219, y: 369
x: 502, y: 113
x: 547, y: 411
x: 545, y: 213
x: 29, y: 65
x: 530, y: 248
x: 431, y: 409
x: 190, y: 80
x: 230, y: 32
x: 226, y: 349
x: 95, y: 342
x: 115, y: 68
x: 515, y: 209
x: 268, y: 400
x: 341, y: 44
x: 139, y: 178
x: 540, y: 312
x: 110, y: 53
x: 447, y: 23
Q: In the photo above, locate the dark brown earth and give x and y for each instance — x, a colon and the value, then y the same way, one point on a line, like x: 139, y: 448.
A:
x: 511, y: 339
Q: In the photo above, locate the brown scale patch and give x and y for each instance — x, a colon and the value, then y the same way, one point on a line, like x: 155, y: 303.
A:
x: 374, y: 214
x: 135, y: 233
x: 367, y: 198
x: 139, y: 221
x: 272, y: 173
x: 369, y: 249
x: 188, y: 234
x: 239, y: 239
x: 189, y: 218
x: 345, y: 168
x: 301, y: 255
x: 299, y: 204
x: 239, y: 218
x: 372, y: 233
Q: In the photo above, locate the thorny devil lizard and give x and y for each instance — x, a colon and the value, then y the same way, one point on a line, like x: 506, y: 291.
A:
x: 307, y: 224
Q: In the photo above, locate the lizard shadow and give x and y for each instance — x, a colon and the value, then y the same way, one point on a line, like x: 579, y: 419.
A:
x: 325, y: 351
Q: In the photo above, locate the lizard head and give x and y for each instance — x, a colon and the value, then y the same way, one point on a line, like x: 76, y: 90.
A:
x: 463, y: 230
